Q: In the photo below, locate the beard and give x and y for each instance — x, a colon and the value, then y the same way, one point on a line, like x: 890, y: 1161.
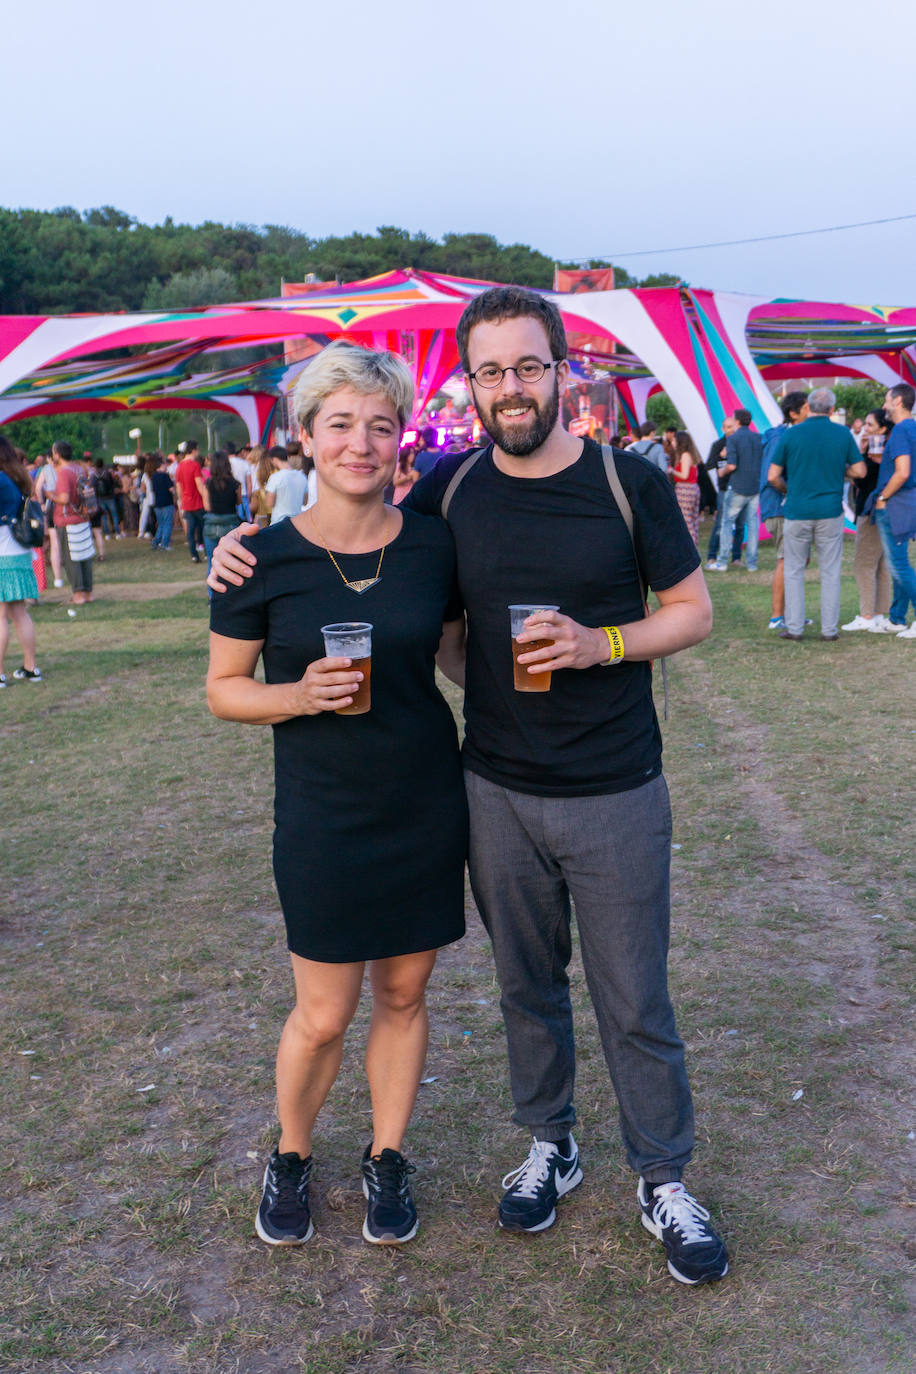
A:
x: 517, y: 440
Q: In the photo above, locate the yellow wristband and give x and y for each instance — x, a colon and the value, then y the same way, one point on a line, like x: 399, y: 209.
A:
x: 615, y: 642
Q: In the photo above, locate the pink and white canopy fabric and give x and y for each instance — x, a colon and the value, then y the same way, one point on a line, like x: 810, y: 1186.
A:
x: 710, y: 351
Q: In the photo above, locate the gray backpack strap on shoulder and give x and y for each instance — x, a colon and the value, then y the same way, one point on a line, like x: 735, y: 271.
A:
x: 458, y: 477
x: 626, y: 510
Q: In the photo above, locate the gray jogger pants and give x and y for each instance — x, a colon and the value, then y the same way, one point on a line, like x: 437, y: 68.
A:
x: 611, y: 855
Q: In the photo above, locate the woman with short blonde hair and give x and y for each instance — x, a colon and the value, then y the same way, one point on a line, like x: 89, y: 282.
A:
x: 356, y: 887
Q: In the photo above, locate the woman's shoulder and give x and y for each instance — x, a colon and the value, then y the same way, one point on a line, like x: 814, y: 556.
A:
x: 276, y: 544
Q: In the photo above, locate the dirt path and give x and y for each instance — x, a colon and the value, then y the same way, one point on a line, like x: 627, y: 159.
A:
x: 838, y: 947
x: 125, y: 591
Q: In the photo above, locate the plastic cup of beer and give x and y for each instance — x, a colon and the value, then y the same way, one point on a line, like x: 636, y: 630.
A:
x: 525, y: 681
x: 352, y: 639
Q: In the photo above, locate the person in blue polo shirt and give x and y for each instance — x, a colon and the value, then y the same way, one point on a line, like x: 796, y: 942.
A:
x: 896, y: 481
x: 812, y: 461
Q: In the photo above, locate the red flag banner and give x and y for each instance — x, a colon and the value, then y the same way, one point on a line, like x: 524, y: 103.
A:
x: 584, y: 279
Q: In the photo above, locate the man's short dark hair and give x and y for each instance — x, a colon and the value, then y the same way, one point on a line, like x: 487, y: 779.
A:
x: 293, y: 448
x: 743, y: 417
x: 905, y: 394
x: 511, y: 303
x: 230, y: 449
x: 191, y: 446
x: 646, y: 428
x: 278, y: 451
x: 792, y: 403
x: 62, y: 449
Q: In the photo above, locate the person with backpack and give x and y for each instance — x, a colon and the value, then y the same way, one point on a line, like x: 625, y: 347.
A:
x: 649, y: 447
x: 72, y: 524
x: 17, y: 577
x: 567, y: 800
x: 87, y: 491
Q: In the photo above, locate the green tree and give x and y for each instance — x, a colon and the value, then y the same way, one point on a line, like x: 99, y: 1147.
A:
x: 858, y: 398
x: 83, y: 432
x: 661, y: 409
x: 187, y: 290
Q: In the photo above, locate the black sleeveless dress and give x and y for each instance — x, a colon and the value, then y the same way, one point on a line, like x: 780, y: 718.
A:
x: 370, y: 814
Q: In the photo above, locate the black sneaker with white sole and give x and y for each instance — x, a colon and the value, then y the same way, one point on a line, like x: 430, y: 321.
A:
x: 283, y: 1216
x: 534, y: 1188
x: 28, y: 674
x: 695, y: 1253
x: 391, y: 1217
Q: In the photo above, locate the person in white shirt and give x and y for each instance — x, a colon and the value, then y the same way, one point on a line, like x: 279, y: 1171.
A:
x: 287, y: 487
x: 45, y: 483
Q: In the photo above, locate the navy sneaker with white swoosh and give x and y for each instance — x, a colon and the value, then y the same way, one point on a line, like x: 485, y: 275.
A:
x: 536, y: 1186
x: 695, y: 1253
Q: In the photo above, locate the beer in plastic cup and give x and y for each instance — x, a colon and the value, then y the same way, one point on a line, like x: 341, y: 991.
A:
x: 525, y: 681
x: 352, y: 639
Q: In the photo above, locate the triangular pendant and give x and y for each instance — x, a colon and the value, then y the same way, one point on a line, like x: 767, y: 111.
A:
x: 363, y: 584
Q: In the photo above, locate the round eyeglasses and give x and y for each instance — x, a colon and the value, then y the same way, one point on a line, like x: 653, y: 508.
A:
x: 531, y: 370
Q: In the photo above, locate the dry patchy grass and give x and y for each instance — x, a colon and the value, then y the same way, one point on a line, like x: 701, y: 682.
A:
x: 145, y: 982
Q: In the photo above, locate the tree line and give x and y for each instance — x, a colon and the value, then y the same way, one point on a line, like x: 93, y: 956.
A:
x: 64, y: 261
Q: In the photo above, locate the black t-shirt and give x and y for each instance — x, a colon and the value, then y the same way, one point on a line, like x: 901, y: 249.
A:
x: 715, y: 457
x: 162, y: 488
x: 863, y: 487
x: 561, y: 539
x: 224, y: 497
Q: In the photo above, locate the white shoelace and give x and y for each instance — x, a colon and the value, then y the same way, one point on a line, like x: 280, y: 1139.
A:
x: 535, y: 1169
x: 675, y: 1207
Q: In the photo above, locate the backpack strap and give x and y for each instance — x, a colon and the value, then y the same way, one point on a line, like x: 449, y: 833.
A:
x: 457, y: 478
x: 626, y: 510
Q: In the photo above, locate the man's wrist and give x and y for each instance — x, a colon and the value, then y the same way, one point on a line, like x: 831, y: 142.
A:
x: 612, y: 649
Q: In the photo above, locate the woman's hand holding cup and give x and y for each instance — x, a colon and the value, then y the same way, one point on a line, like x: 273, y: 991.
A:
x: 327, y: 685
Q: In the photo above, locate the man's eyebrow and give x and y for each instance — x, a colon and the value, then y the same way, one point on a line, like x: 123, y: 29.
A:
x: 525, y: 358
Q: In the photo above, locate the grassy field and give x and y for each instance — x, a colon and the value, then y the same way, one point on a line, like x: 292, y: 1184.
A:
x: 145, y: 981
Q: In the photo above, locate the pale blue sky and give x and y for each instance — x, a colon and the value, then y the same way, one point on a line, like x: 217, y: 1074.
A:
x: 579, y: 128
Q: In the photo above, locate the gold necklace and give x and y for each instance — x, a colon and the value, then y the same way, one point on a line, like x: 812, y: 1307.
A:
x: 362, y: 584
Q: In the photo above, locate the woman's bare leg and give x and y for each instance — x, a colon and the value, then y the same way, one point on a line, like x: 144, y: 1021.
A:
x: 398, y: 1035
x: 25, y: 633
x: 311, y: 1046
x: 54, y: 550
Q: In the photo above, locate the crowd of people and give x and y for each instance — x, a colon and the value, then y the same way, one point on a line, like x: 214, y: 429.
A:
x: 85, y: 503
x: 798, y: 487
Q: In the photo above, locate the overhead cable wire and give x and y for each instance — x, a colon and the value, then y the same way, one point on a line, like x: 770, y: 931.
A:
x: 731, y: 243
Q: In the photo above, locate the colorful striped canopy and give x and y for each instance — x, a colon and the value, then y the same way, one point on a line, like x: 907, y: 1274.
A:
x: 710, y: 351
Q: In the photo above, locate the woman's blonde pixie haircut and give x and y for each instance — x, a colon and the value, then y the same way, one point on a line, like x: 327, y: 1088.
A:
x: 366, y: 370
